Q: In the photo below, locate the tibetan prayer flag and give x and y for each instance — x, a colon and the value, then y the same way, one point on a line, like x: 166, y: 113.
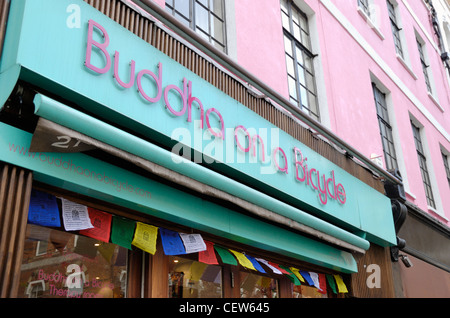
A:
x: 75, y: 216
x: 322, y: 283
x: 122, y: 231
x: 274, y: 269
x: 171, y: 242
x: 279, y: 268
x: 193, y: 243
x: 315, y: 278
x: 340, y: 284
x: 208, y: 256
x: 145, y: 237
x: 297, y: 273
x: 291, y: 275
x: 102, y: 225
x: 256, y: 264
x: 225, y: 256
x: 307, y: 278
x: 43, y: 209
x: 243, y: 260
x: 331, y: 282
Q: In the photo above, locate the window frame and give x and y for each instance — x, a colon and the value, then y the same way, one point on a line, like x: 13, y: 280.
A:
x: 306, y: 85
x: 191, y: 20
x: 396, y: 29
x: 424, y: 171
x: 386, y: 133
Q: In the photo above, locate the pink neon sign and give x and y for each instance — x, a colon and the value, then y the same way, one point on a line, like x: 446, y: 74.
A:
x: 326, y: 188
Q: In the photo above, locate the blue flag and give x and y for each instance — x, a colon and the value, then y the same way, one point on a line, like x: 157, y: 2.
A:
x: 43, y: 209
x: 171, y: 242
x: 255, y: 264
x: 307, y: 277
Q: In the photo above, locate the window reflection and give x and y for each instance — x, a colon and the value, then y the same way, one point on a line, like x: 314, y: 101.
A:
x: 257, y: 286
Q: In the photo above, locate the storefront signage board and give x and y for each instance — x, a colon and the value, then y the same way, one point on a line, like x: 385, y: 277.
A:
x: 89, y: 176
x: 117, y: 76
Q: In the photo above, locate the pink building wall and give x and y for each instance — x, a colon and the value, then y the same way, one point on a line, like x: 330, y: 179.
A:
x: 347, y: 70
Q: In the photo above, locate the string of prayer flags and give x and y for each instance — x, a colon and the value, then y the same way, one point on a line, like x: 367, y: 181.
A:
x: 296, y: 272
x: 75, y: 216
x: 243, y: 260
x: 193, y: 243
x: 255, y: 263
x: 101, y: 222
x: 332, y: 283
x: 274, y: 269
x: 43, y: 209
x: 208, y: 256
x: 171, y: 242
x: 145, y: 237
x: 340, y: 284
x: 291, y: 275
x: 122, y: 231
x: 307, y: 278
x: 225, y: 256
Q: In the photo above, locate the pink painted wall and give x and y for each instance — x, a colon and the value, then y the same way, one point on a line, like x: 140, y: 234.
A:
x: 347, y: 70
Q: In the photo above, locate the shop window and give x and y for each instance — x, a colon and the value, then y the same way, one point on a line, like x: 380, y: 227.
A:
x: 257, y: 286
x: 191, y: 279
x: 206, y: 17
x: 72, y: 266
x: 304, y: 291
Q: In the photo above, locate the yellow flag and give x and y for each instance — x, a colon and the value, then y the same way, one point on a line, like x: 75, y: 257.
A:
x: 296, y: 272
x: 244, y: 261
x: 340, y: 283
x: 145, y: 237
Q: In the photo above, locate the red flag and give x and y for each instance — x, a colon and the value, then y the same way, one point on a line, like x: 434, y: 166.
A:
x: 279, y: 268
x: 322, y: 283
x: 208, y: 256
x: 102, y: 225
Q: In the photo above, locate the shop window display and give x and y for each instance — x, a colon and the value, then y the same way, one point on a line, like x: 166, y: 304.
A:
x: 60, y: 264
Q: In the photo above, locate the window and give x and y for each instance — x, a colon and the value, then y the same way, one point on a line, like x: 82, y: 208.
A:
x: 425, y: 66
x: 257, y: 286
x: 385, y: 129
x: 191, y: 279
x: 395, y: 29
x: 206, y: 17
x: 447, y: 168
x: 364, y: 5
x: 423, y: 166
x: 299, y: 59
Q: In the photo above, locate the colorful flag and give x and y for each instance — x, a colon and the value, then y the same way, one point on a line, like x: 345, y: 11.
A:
x: 225, y: 256
x: 279, y: 268
x: 296, y: 272
x: 193, y: 243
x: 274, y: 269
x: 122, y: 231
x: 256, y: 264
x: 171, y: 242
x: 244, y: 261
x: 307, y: 278
x: 331, y: 282
x: 145, y: 237
x: 315, y: 278
x: 75, y: 216
x: 102, y: 225
x: 208, y: 256
x: 291, y: 275
x: 43, y: 209
x: 322, y: 283
x: 340, y: 284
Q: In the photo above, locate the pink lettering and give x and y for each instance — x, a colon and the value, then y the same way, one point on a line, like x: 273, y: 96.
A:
x: 158, y: 81
x: 101, y: 46
x: 255, y: 138
x: 116, y: 72
x: 275, y: 152
x: 240, y: 127
x: 221, y: 133
x: 183, y: 95
x: 190, y: 101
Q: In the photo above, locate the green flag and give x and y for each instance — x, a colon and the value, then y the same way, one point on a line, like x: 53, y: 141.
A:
x: 225, y: 256
x: 122, y: 231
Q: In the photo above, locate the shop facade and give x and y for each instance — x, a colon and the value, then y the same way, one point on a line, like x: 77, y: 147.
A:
x: 134, y: 166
